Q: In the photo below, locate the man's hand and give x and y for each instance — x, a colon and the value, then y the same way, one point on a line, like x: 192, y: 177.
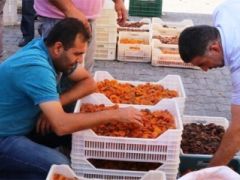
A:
x: 230, y: 143
x: 43, y: 125
x: 121, y: 12
x: 75, y: 13
x: 130, y: 115
x: 69, y: 10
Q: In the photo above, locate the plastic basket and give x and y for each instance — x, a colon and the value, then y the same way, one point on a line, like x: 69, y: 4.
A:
x: 165, y: 148
x: 84, y: 168
x: 66, y: 171
x: 221, y: 121
x: 106, y: 34
x: 107, y: 17
x: 134, y: 52
x: 171, y: 25
x: 169, y: 60
x: 173, y: 82
x: 105, y: 51
x: 145, y: 8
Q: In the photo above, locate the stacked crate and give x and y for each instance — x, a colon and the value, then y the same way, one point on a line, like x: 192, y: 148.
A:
x: 106, y: 35
x: 165, y: 43
x: 66, y: 172
x: 134, y: 46
x: 134, y: 41
x: 162, y: 151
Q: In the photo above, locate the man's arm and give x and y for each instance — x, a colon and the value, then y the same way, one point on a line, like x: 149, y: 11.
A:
x: 69, y: 10
x: 65, y: 123
x: 84, y: 85
x: 231, y: 140
x: 121, y: 11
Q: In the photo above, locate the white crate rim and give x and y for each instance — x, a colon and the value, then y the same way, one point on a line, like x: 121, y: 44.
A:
x: 89, y: 167
x: 102, y: 75
x: 174, y: 79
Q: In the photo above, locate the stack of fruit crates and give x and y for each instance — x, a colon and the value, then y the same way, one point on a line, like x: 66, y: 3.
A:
x: 134, y: 46
x: 90, y: 150
x: 165, y: 43
x: 106, y: 35
x: 64, y: 171
x: 161, y: 153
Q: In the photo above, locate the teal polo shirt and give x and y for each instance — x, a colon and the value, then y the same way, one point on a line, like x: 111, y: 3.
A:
x: 27, y: 79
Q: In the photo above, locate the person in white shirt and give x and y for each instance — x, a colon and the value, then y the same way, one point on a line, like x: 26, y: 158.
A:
x: 217, y: 46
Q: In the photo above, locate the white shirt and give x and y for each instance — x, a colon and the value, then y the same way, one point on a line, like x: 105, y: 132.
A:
x: 227, y: 21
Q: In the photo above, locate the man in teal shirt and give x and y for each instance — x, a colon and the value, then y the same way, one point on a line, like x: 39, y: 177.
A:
x: 29, y: 88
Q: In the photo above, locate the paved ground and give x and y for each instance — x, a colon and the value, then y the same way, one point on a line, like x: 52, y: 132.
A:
x: 207, y: 93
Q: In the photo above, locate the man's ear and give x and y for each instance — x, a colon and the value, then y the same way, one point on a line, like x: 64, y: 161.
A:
x: 58, y: 48
x: 215, y: 46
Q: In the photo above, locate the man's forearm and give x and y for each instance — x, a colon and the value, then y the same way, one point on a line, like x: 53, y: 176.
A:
x: 228, y: 148
x: 63, y: 5
x: 79, y: 90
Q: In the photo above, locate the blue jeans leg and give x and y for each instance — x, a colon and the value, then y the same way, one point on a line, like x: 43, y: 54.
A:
x: 21, y: 158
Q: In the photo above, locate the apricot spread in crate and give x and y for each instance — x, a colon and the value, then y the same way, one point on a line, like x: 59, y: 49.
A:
x: 125, y: 93
x: 154, y: 123
x: 133, y: 41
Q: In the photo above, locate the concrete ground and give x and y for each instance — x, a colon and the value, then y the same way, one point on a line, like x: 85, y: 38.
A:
x: 208, y: 93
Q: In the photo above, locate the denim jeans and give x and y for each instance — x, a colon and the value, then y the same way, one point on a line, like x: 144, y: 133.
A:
x: 21, y: 158
x: 27, y: 22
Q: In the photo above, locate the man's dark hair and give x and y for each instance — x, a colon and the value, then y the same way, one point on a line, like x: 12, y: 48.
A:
x: 193, y: 41
x: 66, y: 31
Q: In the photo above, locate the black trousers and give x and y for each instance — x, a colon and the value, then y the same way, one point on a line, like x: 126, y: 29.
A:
x: 28, y: 17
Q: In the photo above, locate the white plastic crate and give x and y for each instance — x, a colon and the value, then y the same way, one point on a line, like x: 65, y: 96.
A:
x: 165, y: 148
x: 221, y: 121
x: 144, y: 28
x: 10, y: 16
x: 106, y: 34
x: 159, y: 30
x: 84, y: 168
x: 171, y: 25
x: 173, y: 82
x: 134, y: 52
x: 159, y: 58
x: 105, y: 51
x: 107, y: 17
x: 66, y: 171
